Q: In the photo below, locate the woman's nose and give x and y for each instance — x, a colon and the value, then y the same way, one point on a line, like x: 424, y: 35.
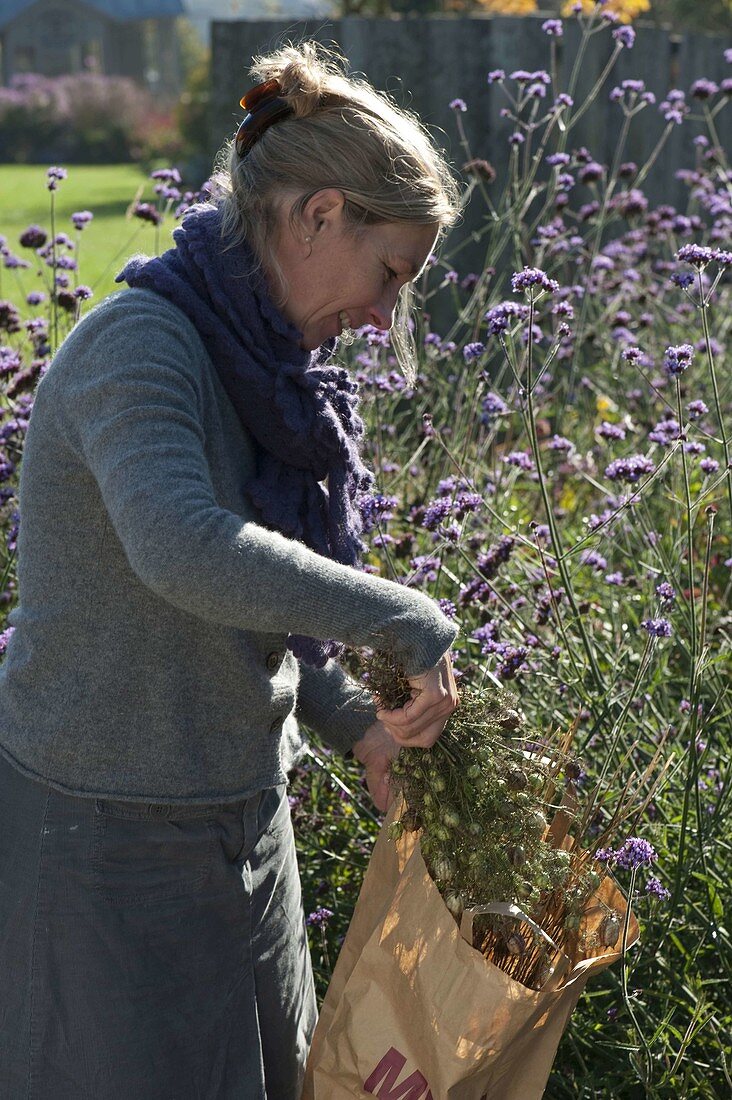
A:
x: 382, y: 314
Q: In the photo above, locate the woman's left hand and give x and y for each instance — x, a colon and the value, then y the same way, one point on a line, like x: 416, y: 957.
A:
x: 375, y: 750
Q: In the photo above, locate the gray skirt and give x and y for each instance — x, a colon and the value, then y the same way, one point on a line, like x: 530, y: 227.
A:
x: 150, y: 951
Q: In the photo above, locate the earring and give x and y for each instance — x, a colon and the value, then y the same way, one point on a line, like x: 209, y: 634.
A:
x: 308, y: 238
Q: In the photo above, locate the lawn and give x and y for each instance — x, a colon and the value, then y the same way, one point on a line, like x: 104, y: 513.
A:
x: 106, y: 190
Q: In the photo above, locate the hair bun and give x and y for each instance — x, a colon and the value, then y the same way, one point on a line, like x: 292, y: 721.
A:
x: 304, y: 71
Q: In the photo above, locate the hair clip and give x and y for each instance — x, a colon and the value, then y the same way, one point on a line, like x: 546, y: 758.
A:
x: 264, y: 106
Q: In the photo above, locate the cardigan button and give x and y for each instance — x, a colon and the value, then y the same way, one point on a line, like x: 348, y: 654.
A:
x: 273, y: 660
x: 276, y: 726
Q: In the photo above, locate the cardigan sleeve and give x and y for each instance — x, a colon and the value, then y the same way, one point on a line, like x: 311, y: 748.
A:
x: 334, y: 705
x: 131, y: 403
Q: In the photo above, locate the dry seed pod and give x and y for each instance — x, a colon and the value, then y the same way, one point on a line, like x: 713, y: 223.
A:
x: 411, y: 820
x: 516, y: 944
x: 545, y: 974
x: 454, y: 903
x: 609, y: 930
x: 517, y: 780
x: 444, y: 870
x: 516, y: 855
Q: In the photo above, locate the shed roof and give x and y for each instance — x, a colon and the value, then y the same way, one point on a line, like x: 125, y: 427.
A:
x: 122, y: 11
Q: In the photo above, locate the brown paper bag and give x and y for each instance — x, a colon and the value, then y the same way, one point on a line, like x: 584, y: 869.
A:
x: 413, y: 1012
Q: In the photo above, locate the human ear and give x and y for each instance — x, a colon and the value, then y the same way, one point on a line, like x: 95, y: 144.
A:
x: 323, y: 210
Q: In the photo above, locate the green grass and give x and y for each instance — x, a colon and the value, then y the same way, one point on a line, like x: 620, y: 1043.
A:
x: 106, y: 190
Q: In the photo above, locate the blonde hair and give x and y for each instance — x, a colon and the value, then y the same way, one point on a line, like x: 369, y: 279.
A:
x: 343, y: 134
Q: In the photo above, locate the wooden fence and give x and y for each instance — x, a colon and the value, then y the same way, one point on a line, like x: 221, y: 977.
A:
x: 424, y: 62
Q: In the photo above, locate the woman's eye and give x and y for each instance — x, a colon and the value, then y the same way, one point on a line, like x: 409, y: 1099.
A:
x: 390, y: 274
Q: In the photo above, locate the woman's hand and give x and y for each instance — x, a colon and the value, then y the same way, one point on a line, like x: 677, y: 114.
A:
x: 376, y: 749
x: 420, y: 722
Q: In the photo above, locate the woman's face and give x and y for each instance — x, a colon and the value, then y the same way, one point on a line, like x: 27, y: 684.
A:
x: 337, y: 281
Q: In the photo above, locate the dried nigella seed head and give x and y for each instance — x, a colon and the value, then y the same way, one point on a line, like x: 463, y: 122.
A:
x: 517, y: 780
x: 454, y: 903
x: 516, y: 944
x: 609, y: 930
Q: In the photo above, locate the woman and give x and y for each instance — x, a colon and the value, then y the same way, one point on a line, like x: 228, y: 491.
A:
x: 186, y: 582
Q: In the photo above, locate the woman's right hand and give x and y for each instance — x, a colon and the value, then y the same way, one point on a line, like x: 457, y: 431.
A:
x: 419, y: 723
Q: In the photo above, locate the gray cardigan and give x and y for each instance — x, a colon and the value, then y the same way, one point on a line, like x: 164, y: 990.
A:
x: 148, y: 659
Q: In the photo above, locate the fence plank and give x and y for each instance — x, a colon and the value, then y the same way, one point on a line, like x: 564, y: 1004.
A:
x: 424, y: 62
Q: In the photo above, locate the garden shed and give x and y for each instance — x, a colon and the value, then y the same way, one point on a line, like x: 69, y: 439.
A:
x: 116, y: 37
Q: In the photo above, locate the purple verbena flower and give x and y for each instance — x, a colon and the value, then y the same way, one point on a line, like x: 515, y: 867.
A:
x: 458, y: 105
x: 81, y: 218
x: 698, y: 255
x: 521, y: 459
x: 473, y: 351
x: 634, y: 853
x: 320, y: 918
x: 591, y: 557
x: 499, y: 317
x: 147, y: 212
x: 629, y: 469
x: 168, y: 175
x: 625, y: 36
x: 496, y: 555
x: 512, y: 662
x: 553, y: 27
x: 703, y: 89
x: 665, y: 592
x: 425, y: 568
x: 376, y: 508
x: 435, y: 512
x: 530, y: 277
x: 561, y: 443
x: 682, y: 279
x: 656, y: 890
x: 657, y: 628
x: 493, y: 406
x: 467, y: 502
x: 677, y: 359
x: 611, y: 431
x: 54, y: 175
x: 9, y: 360
x: 33, y: 237
x: 591, y: 172
x: 665, y: 432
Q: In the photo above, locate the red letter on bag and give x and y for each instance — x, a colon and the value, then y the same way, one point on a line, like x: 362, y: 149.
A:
x: 387, y: 1072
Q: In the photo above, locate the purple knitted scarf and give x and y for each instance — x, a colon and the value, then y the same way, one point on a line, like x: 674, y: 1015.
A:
x: 300, y: 410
